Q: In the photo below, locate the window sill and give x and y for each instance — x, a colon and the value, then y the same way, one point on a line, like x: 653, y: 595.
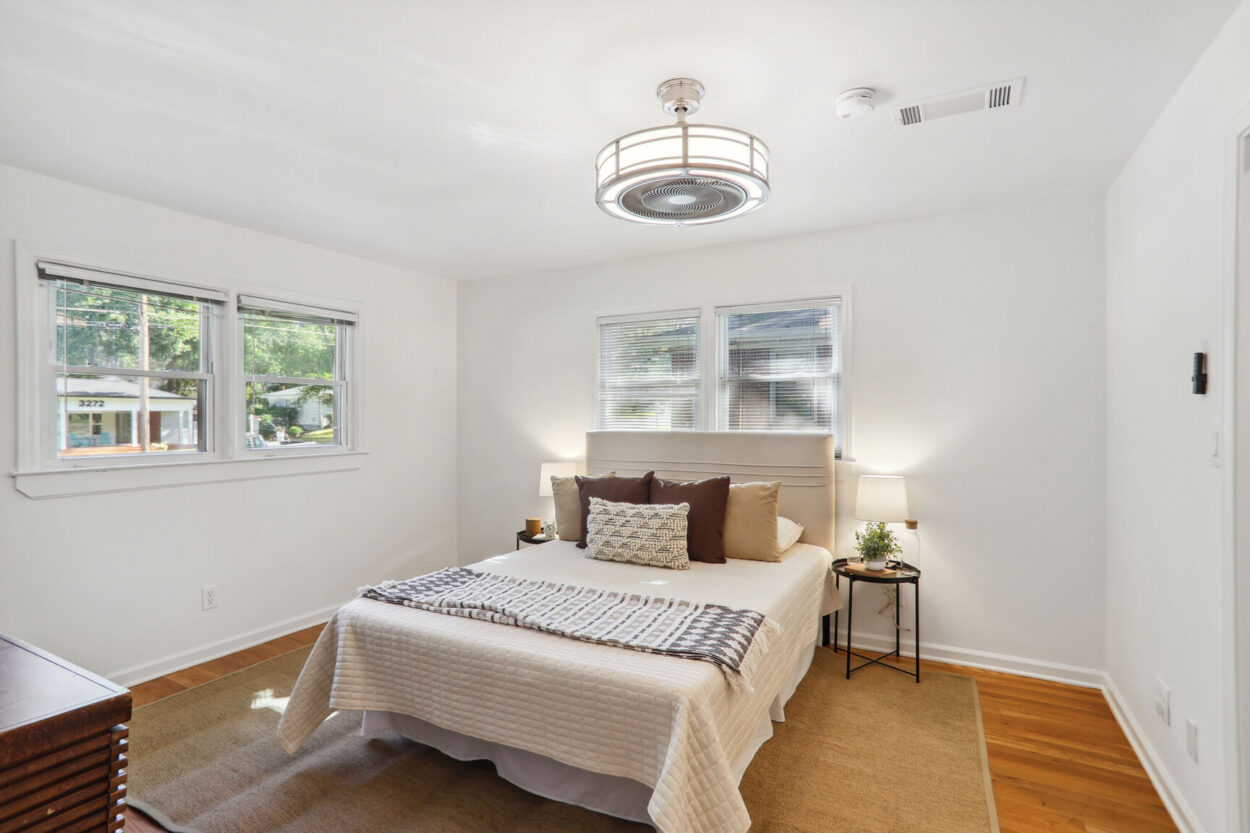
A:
x: 128, y: 478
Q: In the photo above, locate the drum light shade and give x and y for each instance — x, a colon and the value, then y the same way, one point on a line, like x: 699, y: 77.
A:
x: 682, y: 174
x: 549, y: 470
x: 881, y: 498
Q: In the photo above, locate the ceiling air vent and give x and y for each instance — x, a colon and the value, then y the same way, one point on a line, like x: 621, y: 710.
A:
x: 994, y: 97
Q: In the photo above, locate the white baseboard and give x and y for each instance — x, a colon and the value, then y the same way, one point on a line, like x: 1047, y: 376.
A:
x: 1041, y: 669
x: 183, y: 659
x: 1179, y: 809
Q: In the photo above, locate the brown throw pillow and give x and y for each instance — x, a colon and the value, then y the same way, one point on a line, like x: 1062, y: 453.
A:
x: 706, y: 521
x: 569, y: 505
x: 751, y: 521
x: 615, y: 489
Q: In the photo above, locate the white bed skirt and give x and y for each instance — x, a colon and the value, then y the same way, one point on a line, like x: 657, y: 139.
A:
x: 613, y: 795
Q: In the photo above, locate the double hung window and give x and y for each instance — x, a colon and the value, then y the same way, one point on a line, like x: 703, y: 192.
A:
x: 124, y: 371
x: 132, y: 365
x: 295, y: 369
x: 779, y: 367
x: 649, y: 372
x: 775, y: 367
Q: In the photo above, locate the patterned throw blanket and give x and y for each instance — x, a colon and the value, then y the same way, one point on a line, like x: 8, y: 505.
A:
x: 733, y: 640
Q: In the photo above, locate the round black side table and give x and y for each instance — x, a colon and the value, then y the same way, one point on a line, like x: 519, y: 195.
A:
x: 896, y: 573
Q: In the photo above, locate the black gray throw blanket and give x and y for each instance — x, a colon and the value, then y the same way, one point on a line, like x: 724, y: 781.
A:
x: 733, y: 640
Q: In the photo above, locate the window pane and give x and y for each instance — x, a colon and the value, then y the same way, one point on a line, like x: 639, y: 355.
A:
x: 780, y: 369
x: 280, y: 415
x: 110, y: 327
x: 649, y: 374
x: 279, y: 346
x: 128, y: 415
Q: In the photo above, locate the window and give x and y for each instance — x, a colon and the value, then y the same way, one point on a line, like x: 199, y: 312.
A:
x: 649, y: 372
x: 778, y: 367
x: 295, y: 369
x: 131, y: 367
x: 143, y: 377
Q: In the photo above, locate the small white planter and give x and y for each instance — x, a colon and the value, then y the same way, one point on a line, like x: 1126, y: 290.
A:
x: 875, y: 566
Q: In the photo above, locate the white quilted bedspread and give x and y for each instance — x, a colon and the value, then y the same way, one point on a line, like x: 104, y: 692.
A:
x: 670, y: 723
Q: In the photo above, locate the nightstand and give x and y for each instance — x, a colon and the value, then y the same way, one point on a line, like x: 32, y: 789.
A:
x: 897, y: 573
x: 530, y: 540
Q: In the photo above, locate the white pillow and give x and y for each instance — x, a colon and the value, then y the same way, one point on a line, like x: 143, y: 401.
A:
x: 788, y: 533
x: 653, y: 534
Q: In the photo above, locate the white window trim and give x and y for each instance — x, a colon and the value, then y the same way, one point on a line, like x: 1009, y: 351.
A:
x: 38, y: 475
x: 708, y: 348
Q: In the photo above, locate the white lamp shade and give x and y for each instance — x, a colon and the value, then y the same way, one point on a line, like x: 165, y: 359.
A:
x: 881, y: 498
x: 550, y: 470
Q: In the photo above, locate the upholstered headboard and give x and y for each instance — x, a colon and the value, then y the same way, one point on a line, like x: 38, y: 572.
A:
x: 802, y: 462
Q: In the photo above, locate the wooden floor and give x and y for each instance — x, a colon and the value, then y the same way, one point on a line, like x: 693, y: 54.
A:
x: 1057, y: 756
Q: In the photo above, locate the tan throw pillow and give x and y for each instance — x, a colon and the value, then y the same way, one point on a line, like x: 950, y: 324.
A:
x: 751, y: 521
x: 569, y: 506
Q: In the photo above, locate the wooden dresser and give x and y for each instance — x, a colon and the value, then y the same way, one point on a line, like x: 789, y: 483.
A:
x: 62, y: 745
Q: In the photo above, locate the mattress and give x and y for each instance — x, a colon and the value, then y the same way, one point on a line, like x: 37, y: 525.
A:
x: 673, y: 725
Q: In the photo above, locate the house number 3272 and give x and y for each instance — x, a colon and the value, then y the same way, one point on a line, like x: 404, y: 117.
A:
x: 91, y: 403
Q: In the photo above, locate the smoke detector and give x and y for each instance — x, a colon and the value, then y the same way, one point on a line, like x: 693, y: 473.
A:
x: 854, y: 103
x: 682, y: 174
x: 992, y: 97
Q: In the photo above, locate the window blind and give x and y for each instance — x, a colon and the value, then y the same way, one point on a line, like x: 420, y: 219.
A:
x: 780, y: 367
x: 50, y: 271
x: 649, y: 372
x: 279, y: 309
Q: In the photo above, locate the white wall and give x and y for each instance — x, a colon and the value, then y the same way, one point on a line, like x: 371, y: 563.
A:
x: 113, y: 581
x: 978, y: 373
x: 1166, y: 231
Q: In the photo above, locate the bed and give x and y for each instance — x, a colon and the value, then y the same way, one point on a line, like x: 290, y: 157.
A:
x: 656, y: 739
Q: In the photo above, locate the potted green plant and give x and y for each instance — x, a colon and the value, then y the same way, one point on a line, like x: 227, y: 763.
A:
x: 875, y: 545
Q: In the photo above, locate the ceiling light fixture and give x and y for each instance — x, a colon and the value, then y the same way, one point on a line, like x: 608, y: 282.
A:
x: 683, y: 174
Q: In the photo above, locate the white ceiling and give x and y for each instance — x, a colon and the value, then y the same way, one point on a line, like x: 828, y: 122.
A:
x: 459, y: 138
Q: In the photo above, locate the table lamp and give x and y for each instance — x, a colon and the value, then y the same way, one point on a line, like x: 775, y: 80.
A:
x: 545, y: 473
x: 550, y: 470
x: 881, y: 498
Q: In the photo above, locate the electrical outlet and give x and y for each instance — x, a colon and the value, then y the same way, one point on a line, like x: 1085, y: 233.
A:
x: 1191, y: 738
x: 208, y: 597
x: 1163, y: 701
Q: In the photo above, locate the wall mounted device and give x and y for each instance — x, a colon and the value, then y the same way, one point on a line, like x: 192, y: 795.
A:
x: 854, y: 103
x: 1200, y: 373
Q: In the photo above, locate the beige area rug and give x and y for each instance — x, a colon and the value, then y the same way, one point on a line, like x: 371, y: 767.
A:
x: 207, y: 760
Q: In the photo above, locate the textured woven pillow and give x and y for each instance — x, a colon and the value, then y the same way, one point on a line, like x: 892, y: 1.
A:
x: 639, y: 533
x: 615, y: 489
